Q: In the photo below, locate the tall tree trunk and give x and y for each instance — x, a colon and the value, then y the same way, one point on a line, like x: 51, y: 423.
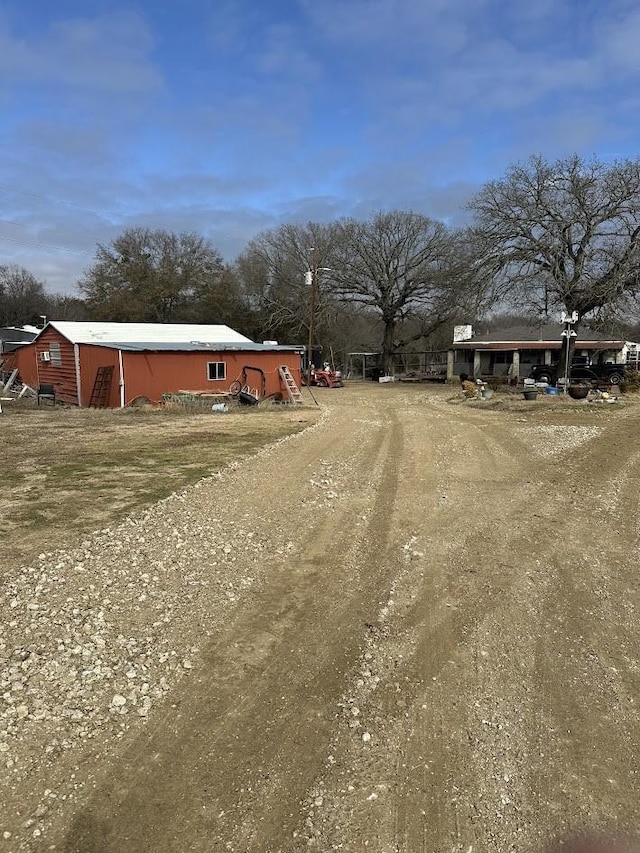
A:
x: 388, y: 345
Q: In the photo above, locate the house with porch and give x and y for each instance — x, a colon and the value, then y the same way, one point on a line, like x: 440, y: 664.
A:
x: 509, y: 354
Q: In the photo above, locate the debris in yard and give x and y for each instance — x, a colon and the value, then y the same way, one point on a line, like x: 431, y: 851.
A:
x: 469, y: 388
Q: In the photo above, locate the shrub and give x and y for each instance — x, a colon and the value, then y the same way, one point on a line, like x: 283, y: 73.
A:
x: 631, y: 382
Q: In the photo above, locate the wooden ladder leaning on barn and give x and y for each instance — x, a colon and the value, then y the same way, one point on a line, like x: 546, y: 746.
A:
x: 101, y: 388
x: 294, y: 393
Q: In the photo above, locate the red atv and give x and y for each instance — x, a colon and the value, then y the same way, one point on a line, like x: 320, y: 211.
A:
x: 326, y: 378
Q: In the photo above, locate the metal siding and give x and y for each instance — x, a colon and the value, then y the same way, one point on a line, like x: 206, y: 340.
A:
x: 152, y: 374
x: 91, y: 358
x: 62, y: 376
x: 26, y: 364
x: 148, y: 374
x: 9, y: 361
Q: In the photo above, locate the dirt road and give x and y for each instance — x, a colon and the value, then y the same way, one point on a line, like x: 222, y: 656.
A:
x: 438, y: 649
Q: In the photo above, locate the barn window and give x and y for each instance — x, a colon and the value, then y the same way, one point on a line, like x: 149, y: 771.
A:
x: 56, y: 355
x: 217, y: 370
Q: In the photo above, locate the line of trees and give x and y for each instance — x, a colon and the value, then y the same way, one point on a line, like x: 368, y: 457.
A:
x: 24, y: 299
x: 383, y: 283
x: 546, y: 237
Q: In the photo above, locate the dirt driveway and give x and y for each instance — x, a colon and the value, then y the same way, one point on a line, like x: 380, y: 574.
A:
x: 430, y: 644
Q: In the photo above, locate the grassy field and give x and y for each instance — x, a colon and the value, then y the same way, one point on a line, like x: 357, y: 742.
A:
x: 68, y: 471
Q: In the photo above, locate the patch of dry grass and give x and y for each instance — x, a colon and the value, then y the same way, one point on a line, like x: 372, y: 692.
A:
x: 67, y: 471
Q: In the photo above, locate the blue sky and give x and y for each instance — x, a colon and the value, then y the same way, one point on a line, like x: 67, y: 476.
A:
x: 231, y: 116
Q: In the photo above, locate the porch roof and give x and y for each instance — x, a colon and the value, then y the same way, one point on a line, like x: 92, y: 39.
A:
x: 512, y: 346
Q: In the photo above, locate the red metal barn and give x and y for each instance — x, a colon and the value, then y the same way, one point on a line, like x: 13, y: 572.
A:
x: 148, y: 360
x: 11, y: 339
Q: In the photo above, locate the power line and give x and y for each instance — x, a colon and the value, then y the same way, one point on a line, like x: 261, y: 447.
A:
x: 45, y: 245
x: 59, y: 200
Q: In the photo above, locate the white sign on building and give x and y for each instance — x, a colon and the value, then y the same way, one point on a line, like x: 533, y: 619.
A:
x: 462, y: 333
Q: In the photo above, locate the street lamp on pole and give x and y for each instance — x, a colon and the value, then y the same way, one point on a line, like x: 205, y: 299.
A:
x: 568, y: 321
x: 311, y: 278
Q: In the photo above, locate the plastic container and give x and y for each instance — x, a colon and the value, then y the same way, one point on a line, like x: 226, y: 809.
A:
x: 551, y: 390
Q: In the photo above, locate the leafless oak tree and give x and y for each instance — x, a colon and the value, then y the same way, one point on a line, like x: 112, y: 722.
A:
x: 404, y: 267
x: 564, y: 234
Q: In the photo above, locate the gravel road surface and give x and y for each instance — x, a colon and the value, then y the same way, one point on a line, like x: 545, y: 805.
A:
x: 412, y: 627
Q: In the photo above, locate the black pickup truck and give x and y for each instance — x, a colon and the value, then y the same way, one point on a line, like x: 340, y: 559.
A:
x: 594, y: 373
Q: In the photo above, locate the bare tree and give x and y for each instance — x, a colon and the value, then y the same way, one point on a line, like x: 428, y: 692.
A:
x: 272, y: 269
x: 395, y: 265
x: 563, y: 234
x: 62, y: 306
x: 398, y: 276
x: 22, y: 296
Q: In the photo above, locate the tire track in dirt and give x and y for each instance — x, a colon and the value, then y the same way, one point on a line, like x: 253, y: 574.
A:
x: 455, y: 530
x: 439, y: 579
x: 228, y: 766
x: 586, y: 667
x: 513, y: 704
x: 457, y: 709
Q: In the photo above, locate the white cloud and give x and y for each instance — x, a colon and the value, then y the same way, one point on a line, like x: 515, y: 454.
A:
x: 350, y: 107
x: 106, y: 54
x: 620, y: 40
x: 386, y: 23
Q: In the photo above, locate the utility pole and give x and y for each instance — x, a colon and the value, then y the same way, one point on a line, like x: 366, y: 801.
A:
x: 568, y: 321
x: 311, y: 277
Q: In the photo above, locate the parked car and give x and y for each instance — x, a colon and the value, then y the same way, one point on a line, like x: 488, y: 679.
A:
x: 580, y: 372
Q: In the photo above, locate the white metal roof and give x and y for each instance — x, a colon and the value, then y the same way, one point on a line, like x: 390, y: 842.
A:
x: 146, y: 333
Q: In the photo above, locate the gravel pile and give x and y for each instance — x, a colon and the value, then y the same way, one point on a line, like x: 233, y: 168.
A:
x: 552, y: 440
